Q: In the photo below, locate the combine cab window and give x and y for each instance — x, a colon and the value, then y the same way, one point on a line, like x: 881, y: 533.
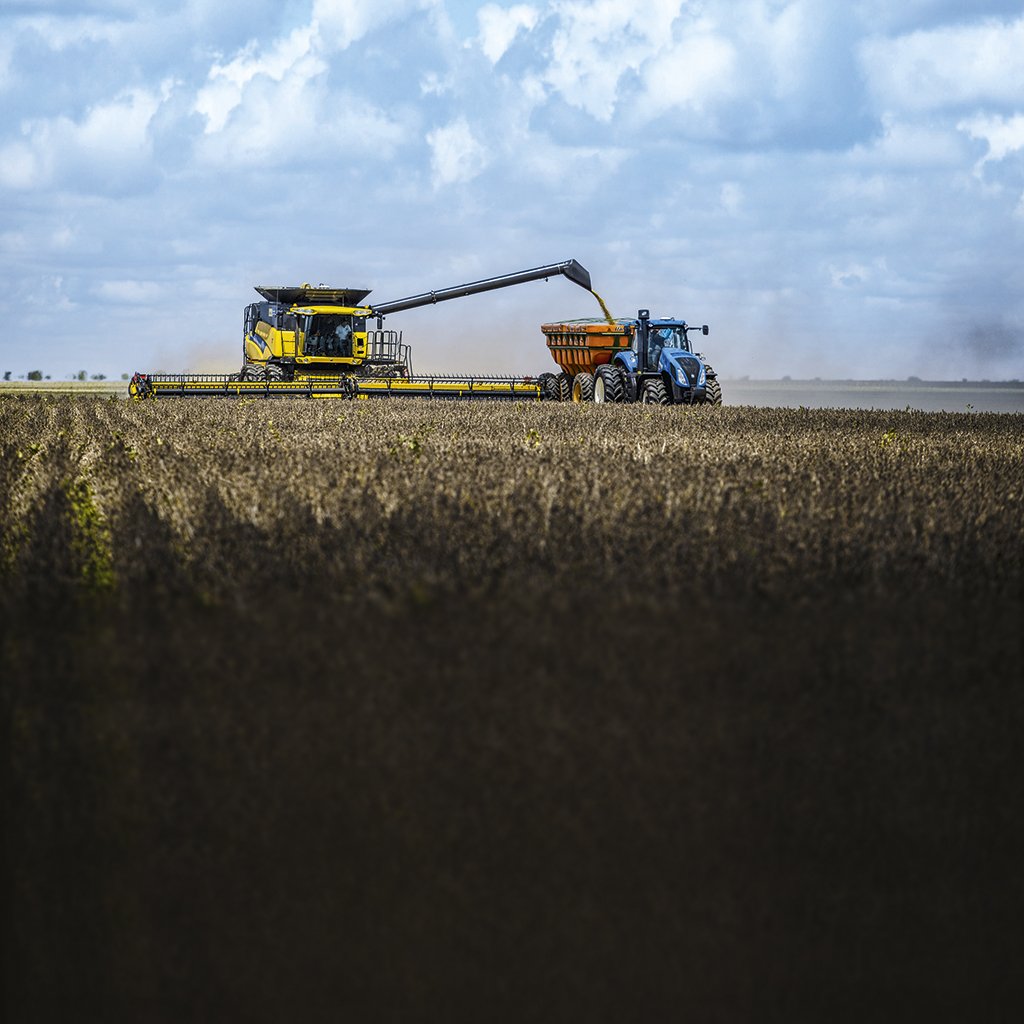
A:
x: 271, y: 313
x: 252, y: 316
x: 329, y: 335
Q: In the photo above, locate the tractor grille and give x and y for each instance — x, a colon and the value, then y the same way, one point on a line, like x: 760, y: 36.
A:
x: 692, y: 368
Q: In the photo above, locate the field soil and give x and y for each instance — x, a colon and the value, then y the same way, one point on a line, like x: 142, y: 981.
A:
x: 412, y: 711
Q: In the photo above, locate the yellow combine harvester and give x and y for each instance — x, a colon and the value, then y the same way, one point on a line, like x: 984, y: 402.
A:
x: 321, y: 342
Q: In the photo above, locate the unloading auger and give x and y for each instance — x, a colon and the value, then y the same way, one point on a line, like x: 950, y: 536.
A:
x: 320, y: 342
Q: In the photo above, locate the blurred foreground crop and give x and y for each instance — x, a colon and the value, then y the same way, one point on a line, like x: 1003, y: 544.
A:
x: 420, y: 711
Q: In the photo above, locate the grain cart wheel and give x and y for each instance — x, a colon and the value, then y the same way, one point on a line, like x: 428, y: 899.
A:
x: 548, y: 387
x: 654, y: 393
x: 564, y: 386
x: 609, y: 385
x: 583, y: 388
x: 713, y: 392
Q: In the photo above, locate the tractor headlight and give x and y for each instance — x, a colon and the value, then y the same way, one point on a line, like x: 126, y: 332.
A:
x: 681, y: 377
x: 702, y: 379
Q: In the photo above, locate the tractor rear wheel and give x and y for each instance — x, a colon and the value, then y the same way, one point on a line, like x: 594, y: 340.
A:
x: 583, y: 388
x: 564, y: 386
x: 713, y: 392
x: 654, y: 393
x: 609, y: 385
x: 548, y: 387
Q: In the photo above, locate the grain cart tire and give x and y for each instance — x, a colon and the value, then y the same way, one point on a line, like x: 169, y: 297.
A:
x: 548, y: 387
x: 609, y: 384
x: 564, y: 386
x: 654, y: 393
x: 713, y: 392
x: 583, y: 388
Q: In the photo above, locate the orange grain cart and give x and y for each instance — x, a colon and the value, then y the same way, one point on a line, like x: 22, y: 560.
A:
x: 581, y: 346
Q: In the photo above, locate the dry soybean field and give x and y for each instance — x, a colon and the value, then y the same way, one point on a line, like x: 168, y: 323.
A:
x: 408, y: 711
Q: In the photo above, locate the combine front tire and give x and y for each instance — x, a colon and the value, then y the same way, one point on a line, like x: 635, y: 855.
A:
x: 254, y: 371
x: 654, y: 393
x: 583, y: 388
x: 275, y: 372
x: 609, y: 385
x: 713, y: 392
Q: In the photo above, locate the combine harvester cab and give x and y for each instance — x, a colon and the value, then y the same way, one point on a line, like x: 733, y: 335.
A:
x: 306, y: 332
x: 631, y: 360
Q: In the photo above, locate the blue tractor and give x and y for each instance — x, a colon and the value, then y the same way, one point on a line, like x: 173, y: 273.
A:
x: 659, y: 368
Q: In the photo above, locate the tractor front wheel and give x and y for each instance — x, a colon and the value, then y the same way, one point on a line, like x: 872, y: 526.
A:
x: 654, y: 393
x: 713, y: 392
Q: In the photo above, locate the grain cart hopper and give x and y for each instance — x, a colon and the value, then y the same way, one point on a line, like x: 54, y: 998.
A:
x: 631, y: 360
x: 325, y: 342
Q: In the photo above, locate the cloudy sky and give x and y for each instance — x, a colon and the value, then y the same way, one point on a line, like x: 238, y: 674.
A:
x: 837, y: 188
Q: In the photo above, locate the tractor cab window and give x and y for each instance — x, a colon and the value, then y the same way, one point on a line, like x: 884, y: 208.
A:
x: 662, y: 338
x: 670, y: 337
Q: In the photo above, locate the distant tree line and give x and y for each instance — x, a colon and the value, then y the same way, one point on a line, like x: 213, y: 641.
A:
x: 81, y: 375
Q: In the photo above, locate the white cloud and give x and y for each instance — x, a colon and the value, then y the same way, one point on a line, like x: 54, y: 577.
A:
x: 456, y: 155
x: 61, y: 32
x: 433, y: 84
x: 19, y: 166
x: 552, y: 164
x: 111, y: 140
x: 1004, y: 135
x: 117, y: 130
x: 253, y: 136
x: 905, y: 143
x: 852, y: 275
x: 597, y: 43
x: 341, y: 23
x: 290, y: 56
x: 699, y: 68
x: 499, y: 27
x: 949, y: 66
